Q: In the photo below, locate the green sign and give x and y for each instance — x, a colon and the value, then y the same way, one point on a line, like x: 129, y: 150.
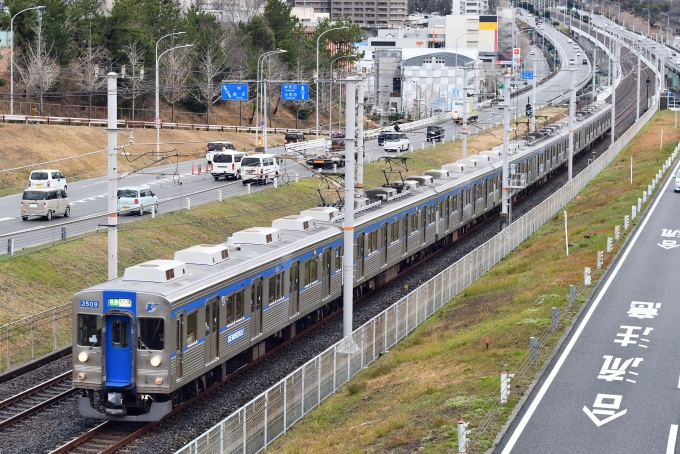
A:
x: 501, y: 85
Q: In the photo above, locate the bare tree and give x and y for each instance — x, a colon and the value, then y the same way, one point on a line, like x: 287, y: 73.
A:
x: 235, y: 11
x: 274, y: 70
x: 211, y: 68
x: 174, y: 77
x: 134, y: 73
x: 39, y: 70
x: 90, y: 71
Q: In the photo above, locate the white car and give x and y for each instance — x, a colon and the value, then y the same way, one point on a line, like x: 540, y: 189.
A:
x: 396, y: 141
x: 47, y: 178
x: 677, y: 182
x: 227, y: 164
x: 260, y: 168
x: 570, y: 41
x: 137, y: 200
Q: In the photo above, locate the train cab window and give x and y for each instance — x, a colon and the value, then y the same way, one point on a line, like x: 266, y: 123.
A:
x: 151, y: 333
x: 89, y: 330
x: 120, y: 330
x: 192, y: 321
x: 275, y: 287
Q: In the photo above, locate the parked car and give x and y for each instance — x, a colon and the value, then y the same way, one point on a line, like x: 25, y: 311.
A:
x: 227, y: 164
x: 259, y: 168
x: 435, y: 133
x: 47, y: 178
x: 137, y: 199
x: 395, y: 141
x: 46, y: 202
x: 293, y: 137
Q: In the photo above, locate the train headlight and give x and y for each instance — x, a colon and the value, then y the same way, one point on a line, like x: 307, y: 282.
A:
x: 83, y: 357
x: 156, y: 361
x: 159, y: 381
x: 81, y: 376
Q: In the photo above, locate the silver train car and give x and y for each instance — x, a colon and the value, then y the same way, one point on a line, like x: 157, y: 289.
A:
x: 169, y: 329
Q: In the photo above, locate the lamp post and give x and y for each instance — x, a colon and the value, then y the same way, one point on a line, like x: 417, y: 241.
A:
x: 649, y: 15
x: 11, y: 58
x: 264, y: 93
x: 158, y: 126
x: 330, y: 102
x: 618, y: 15
x: 257, y: 91
x: 317, y: 74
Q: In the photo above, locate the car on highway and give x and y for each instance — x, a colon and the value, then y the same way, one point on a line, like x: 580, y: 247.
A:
x: 381, y: 137
x: 217, y: 146
x: 137, y: 200
x: 435, y: 133
x: 260, y: 168
x: 47, y: 178
x: 293, y: 137
x: 227, y: 164
x: 585, y: 61
x: 677, y: 182
x: 570, y: 41
x: 396, y: 141
x: 572, y: 61
x: 45, y: 202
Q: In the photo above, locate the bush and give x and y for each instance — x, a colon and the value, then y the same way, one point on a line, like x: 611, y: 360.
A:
x: 3, y: 82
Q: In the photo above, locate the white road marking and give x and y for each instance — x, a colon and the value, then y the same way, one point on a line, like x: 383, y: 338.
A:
x: 6, y: 219
x: 558, y: 365
x: 672, y: 437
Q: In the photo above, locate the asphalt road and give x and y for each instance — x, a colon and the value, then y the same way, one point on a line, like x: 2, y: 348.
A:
x: 614, y: 384
x: 172, y: 183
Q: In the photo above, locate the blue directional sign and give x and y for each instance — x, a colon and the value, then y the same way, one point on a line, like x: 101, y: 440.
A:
x: 234, y: 92
x: 455, y: 93
x: 294, y: 92
x: 528, y: 74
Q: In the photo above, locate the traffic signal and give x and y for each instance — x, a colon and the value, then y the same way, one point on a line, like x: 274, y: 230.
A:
x: 528, y: 109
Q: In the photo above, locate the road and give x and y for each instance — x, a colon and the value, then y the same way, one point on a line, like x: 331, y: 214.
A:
x: 613, y: 385
x: 173, y: 183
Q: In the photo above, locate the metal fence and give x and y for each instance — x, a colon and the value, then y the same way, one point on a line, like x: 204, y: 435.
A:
x: 35, y: 335
x: 254, y: 426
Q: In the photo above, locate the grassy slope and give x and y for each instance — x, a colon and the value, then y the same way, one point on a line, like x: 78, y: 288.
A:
x: 411, y: 398
x: 48, y: 278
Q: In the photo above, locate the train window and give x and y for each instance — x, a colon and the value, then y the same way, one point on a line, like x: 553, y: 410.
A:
x: 309, y: 272
x: 338, y: 258
x: 192, y: 321
x: 151, y: 333
x: 120, y: 330
x: 89, y: 330
x: 394, y: 231
x: 234, y: 306
x: 275, y: 287
x: 454, y: 203
x: 442, y: 211
x: 372, y: 239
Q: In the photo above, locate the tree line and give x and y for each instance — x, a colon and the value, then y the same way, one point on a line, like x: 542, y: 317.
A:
x: 66, y: 49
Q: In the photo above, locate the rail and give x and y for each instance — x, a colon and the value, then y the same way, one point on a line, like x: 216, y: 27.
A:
x: 254, y: 426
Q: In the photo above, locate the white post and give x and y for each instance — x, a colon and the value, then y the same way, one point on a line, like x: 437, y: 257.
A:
x: 112, y: 133
x: 264, y: 114
x: 505, y: 215
x: 360, y: 139
x: 348, y: 241
x: 464, y: 131
x: 572, y: 112
x: 566, y: 233
x: 533, y: 108
x: 637, y: 106
x: 614, y: 97
x: 631, y: 170
x: 462, y: 437
x: 504, y: 387
x: 594, y: 73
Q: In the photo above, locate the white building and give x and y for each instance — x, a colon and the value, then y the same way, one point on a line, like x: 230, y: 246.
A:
x: 474, y: 7
x: 307, y: 16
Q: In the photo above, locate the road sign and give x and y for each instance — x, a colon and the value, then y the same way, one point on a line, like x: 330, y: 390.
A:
x: 294, y: 92
x: 437, y: 103
x: 455, y: 93
x: 501, y: 85
x: 234, y: 92
x: 528, y: 74
x: 158, y: 121
x: 516, y: 56
x: 262, y: 123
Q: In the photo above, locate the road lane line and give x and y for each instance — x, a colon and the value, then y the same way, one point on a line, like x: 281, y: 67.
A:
x: 672, y: 437
x: 558, y: 365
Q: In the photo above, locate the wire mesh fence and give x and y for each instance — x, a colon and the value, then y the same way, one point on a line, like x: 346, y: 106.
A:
x: 245, y: 430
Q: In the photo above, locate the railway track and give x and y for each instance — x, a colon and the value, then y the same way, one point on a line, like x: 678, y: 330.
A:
x: 39, y: 397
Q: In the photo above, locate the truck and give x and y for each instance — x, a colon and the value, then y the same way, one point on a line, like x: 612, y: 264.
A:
x: 472, y: 114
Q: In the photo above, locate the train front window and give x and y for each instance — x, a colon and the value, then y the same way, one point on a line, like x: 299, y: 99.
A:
x: 120, y: 330
x: 89, y: 330
x: 151, y: 333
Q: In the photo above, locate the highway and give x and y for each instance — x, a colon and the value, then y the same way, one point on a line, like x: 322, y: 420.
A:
x: 173, y: 183
x: 613, y: 385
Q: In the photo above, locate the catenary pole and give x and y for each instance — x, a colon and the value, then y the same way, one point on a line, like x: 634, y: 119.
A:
x: 348, y: 239
x: 505, y: 220
x: 112, y: 201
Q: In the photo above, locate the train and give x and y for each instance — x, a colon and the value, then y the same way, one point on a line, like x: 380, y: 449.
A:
x: 169, y: 329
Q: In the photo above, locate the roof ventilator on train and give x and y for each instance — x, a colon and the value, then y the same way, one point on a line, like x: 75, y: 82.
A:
x: 203, y: 254
x: 160, y: 271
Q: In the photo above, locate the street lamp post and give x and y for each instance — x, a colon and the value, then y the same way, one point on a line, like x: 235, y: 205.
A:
x: 264, y: 102
x: 158, y: 126
x: 618, y: 15
x: 330, y: 102
x: 257, y: 93
x: 649, y: 15
x: 11, y: 58
x: 317, y: 74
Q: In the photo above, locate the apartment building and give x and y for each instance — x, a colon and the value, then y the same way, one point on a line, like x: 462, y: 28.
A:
x: 473, y: 7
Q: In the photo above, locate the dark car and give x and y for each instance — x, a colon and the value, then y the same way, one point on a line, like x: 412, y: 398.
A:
x: 435, y: 133
x: 381, y: 138
x: 293, y: 137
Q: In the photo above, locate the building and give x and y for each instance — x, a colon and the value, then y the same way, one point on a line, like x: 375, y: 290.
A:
x: 470, y: 7
x: 472, y: 32
x: 361, y: 12
x: 308, y: 16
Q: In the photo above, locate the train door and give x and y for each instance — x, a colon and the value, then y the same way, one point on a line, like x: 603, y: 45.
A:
x: 256, y: 307
x: 423, y: 217
x: 118, y: 351
x: 405, y: 222
x: 360, y: 255
x: 179, y: 332
x: 294, y: 281
x: 384, y: 244
x: 212, y: 335
x: 326, y: 269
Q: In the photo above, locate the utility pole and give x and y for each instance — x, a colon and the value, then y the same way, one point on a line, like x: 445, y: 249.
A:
x: 614, y: 60
x: 348, y: 240
x: 594, y: 72
x: 112, y: 205
x: 637, y: 106
x: 360, y: 139
x: 505, y: 216
x: 465, y: 114
x: 533, y: 108
x: 572, y: 111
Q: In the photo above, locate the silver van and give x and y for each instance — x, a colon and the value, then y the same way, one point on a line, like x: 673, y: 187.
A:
x: 261, y: 168
x: 227, y: 164
x: 46, y: 202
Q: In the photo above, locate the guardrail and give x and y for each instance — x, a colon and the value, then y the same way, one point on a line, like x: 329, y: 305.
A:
x: 255, y: 425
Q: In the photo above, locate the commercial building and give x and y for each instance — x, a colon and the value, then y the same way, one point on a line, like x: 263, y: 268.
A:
x: 470, y: 7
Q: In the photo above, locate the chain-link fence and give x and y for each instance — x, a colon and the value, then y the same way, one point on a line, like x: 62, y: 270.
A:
x: 35, y: 335
x: 251, y: 428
